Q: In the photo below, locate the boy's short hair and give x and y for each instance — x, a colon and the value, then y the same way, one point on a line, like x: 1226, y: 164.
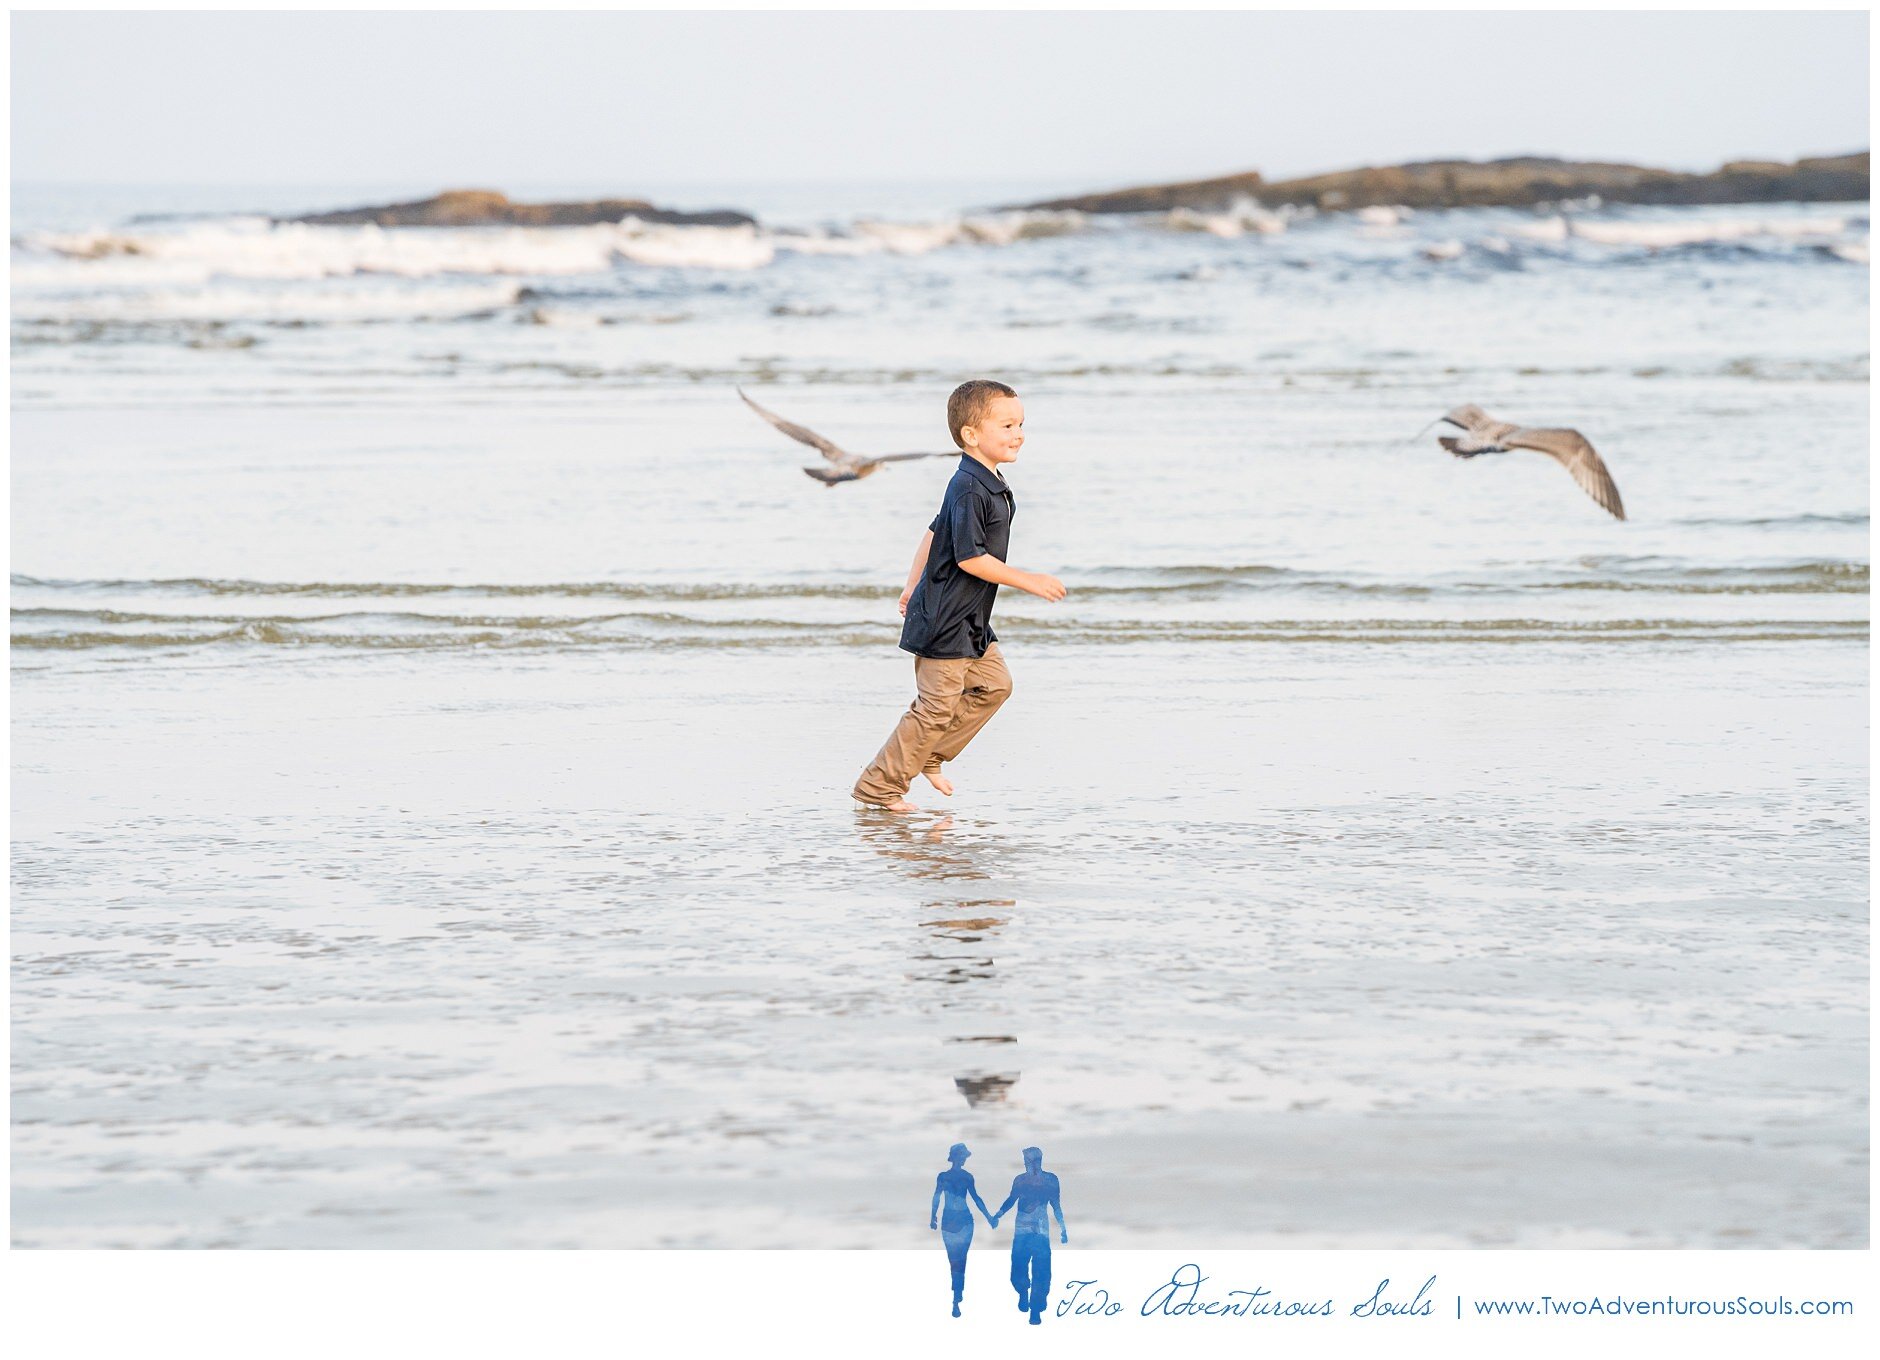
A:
x: 970, y: 402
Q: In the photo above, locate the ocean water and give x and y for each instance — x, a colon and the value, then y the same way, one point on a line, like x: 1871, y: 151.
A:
x: 435, y: 697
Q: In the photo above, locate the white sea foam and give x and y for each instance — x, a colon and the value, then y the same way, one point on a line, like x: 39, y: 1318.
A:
x: 908, y: 238
x: 740, y: 247
x: 201, y: 253
x: 1002, y: 229
x: 990, y: 229
x: 373, y: 302
x: 256, y: 249
x: 1215, y: 224
x: 33, y: 271
x: 1683, y: 233
x: 253, y: 249
x: 1241, y: 216
x: 1379, y: 222
x: 825, y: 243
x: 251, y: 268
x: 235, y: 268
x: 1659, y: 234
x: 1546, y: 229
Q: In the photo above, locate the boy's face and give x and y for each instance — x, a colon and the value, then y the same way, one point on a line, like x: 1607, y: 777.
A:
x: 999, y: 433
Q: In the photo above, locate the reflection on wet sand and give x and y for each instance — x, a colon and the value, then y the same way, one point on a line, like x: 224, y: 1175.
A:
x: 987, y: 1089
x: 920, y: 845
x: 1366, y: 1000
x: 925, y: 852
x: 959, y: 928
x: 951, y: 932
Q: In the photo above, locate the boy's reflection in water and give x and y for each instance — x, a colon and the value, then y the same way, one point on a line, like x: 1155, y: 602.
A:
x: 922, y: 848
x: 926, y: 853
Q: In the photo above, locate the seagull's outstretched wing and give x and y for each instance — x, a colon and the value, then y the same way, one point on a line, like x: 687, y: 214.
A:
x: 904, y: 457
x: 1570, y: 449
x: 1485, y: 434
x: 801, y: 433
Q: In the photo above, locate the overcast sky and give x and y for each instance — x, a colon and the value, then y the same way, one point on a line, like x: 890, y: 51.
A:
x: 618, y: 100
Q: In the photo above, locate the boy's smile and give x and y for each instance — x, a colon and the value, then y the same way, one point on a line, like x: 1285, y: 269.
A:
x: 999, y: 434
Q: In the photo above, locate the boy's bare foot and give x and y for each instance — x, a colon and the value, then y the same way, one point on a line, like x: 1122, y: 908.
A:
x: 899, y: 805
x: 939, y: 781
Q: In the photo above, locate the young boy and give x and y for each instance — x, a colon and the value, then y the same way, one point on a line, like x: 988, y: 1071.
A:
x: 959, y: 675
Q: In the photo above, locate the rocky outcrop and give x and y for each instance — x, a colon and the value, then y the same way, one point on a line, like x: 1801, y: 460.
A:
x: 487, y: 208
x: 1202, y: 194
x: 1518, y: 181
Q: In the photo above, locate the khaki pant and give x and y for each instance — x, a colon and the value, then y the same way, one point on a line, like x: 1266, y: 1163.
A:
x: 953, y: 700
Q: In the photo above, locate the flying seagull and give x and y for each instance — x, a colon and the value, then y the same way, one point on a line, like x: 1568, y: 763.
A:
x: 848, y: 467
x: 1482, y: 433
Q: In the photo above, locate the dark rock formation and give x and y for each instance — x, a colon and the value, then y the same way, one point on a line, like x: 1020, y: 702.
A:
x: 1204, y: 194
x: 1518, y: 181
x: 487, y: 208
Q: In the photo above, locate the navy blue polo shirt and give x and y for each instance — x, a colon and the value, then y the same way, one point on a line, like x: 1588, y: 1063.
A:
x: 950, y: 614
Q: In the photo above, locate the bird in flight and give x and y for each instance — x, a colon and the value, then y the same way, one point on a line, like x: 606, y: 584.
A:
x: 845, y: 466
x: 1482, y: 433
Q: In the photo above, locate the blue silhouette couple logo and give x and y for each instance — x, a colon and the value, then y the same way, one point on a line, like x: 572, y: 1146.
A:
x: 1035, y: 1196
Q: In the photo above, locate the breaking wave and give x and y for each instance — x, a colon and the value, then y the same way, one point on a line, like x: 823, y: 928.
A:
x: 1660, y: 235
x: 1239, y: 218
x: 250, y: 248
x: 259, y: 250
x: 255, y: 269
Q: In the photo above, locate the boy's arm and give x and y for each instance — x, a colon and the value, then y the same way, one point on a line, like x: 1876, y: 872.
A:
x: 989, y: 568
x: 920, y: 565
x: 1064, y: 1233
x: 970, y: 530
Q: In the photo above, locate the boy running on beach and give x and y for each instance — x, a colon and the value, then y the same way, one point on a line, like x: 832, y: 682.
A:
x: 959, y: 675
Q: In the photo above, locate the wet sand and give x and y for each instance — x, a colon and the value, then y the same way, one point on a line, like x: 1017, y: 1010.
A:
x: 1553, y: 945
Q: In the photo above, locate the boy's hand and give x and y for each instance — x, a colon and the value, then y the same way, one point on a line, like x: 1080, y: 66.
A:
x: 906, y: 595
x: 1046, y: 587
